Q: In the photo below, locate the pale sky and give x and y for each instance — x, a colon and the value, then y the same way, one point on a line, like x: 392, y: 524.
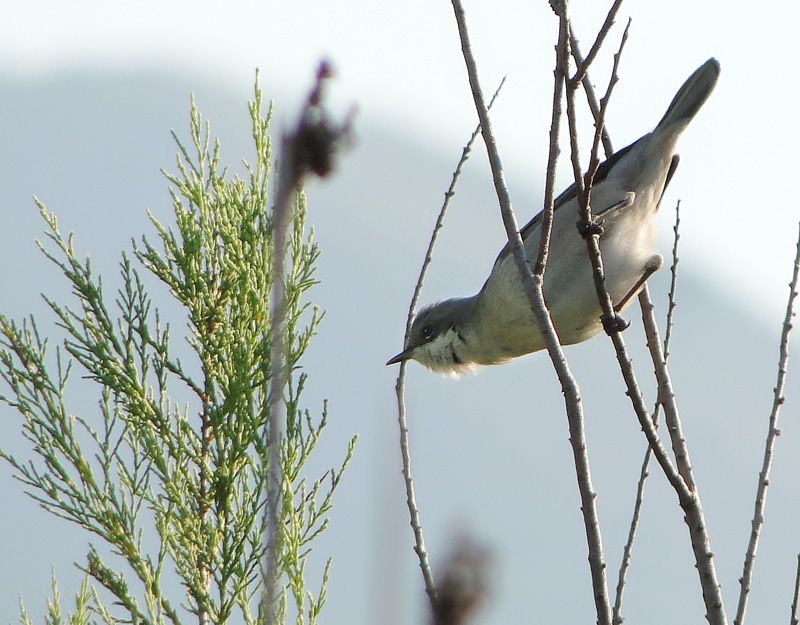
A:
x: 400, y: 62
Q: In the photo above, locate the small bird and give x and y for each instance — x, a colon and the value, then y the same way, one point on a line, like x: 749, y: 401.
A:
x: 497, y: 324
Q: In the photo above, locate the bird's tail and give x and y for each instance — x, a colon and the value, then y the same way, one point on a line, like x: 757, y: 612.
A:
x: 690, y: 97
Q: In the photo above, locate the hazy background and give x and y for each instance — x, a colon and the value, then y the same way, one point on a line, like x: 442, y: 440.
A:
x: 89, y: 93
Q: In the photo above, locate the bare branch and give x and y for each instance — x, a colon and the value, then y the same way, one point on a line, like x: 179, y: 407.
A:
x: 793, y: 616
x: 588, y: 89
x: 772, y: 435
x: 644, y: 472
x: 600, y: 121
x: 583, y: 65
x: 666, y: 394
x: 594, y: 253
x: 533, y: 288
x: 605, y: 301
x: 673, y: 279
x: 411, y: 499
x: 627, y: 552
x: 583, y: 185
x: 699, y: 538
x: 690, y: 501
x: 688, y: 495
x: 310, y: 148
x: 682, y: 482
x: 451, y: 191
x: 405, y: 452
x: 622, y: 356
x: 553, y: 151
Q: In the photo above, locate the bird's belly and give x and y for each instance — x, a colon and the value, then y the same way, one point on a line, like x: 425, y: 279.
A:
x: 569, y: 289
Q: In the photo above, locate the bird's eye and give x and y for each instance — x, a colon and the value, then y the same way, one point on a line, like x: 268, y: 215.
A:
x: 427, y: 333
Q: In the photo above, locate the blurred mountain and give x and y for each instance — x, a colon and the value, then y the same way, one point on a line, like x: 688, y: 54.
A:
x: 490, y: 452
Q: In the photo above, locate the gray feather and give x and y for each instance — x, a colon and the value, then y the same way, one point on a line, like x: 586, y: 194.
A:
x: 691, y: 96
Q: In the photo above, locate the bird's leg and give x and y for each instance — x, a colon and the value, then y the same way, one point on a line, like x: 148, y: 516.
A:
x: 627, y: 201
x: 652, y: 265
x: 615, y: 323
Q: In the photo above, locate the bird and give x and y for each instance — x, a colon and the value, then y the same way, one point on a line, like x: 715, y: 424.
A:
x: 495, y: 325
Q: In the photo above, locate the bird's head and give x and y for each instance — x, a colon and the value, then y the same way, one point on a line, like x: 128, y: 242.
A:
x: 437, y: 338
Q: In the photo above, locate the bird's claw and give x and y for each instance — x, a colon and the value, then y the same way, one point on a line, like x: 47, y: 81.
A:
x: 614, y: 323
x: 589, y: 229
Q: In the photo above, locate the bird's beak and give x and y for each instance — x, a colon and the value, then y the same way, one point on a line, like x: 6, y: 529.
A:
x: 404, y: 355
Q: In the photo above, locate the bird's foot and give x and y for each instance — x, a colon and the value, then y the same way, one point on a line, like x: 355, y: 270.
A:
x: 614, y: 324
x: 589, y: 229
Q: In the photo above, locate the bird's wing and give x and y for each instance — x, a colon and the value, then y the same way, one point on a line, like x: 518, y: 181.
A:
x: 670, y: 173
x: 569, y: 193
x: 684, y: 106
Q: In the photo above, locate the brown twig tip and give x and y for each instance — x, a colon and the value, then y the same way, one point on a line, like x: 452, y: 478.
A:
x: 464, y: 583
x: 316, y: 138
x: 325, y: 70
x: 559, y: 7
x: 315, y: 146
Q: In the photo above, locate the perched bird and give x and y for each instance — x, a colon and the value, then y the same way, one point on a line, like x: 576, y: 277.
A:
x: 497, y: 324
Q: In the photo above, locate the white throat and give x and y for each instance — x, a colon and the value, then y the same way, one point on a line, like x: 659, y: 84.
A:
x: 446, y: 354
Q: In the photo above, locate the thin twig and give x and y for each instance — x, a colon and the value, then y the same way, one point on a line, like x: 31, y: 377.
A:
x: 309, y: 148
x: 583, y: 65
x: 666, y: 394
x: 644, y: 472
x: 411, y: 500
x: 602, y: 293
x: 588, y: 89
x: 553, y: 151
x: 584, y: 195
x: 600, y: 122
x: 793, y: 615
x: 451, y: 191
x: 627, y: 552
x: 673, y: 280
x: 533, y: 288
x: 682, y: 482
x: 772, y: 435
x: 689, y: 501
x: 688, y: 495
x: 626, y: 367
